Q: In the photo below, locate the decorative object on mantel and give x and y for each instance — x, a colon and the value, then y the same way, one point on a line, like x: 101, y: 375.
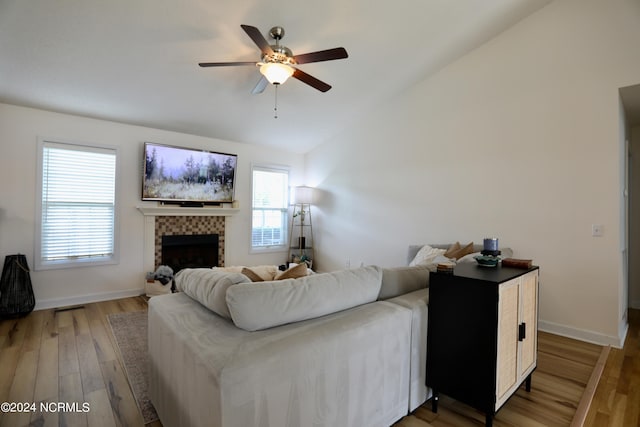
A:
x: 16, y: 293
x: 301, y: 234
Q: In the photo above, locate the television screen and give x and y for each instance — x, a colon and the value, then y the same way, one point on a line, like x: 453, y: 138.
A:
x: 176, y: 174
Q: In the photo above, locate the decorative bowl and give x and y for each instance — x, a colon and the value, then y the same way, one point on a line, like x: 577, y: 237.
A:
x: 487, y: 260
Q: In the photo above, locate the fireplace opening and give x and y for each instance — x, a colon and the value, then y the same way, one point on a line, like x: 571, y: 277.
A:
x: 190, y: 251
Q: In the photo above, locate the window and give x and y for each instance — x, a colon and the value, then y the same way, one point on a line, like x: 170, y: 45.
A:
x: 77, y: 205
x: 270, y: 208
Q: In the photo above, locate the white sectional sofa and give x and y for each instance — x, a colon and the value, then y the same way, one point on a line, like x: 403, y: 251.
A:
x: 322, y: 350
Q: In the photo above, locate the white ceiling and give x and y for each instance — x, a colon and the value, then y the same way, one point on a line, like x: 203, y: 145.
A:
x: 135, y: 61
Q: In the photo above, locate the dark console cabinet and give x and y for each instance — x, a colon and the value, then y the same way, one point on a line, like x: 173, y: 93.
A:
x: 482, y: 334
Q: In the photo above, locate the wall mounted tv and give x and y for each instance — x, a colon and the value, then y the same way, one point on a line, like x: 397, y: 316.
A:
x: 187, y: 176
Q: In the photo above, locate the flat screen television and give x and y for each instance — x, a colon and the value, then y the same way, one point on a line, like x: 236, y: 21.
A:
x: 186, y: 175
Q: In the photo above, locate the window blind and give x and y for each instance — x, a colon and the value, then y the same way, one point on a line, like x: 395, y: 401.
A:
x: 78, y: 202
x: 269, y: 219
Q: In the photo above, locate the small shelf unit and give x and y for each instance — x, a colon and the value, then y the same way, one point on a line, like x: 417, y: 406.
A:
x: 301, y: 236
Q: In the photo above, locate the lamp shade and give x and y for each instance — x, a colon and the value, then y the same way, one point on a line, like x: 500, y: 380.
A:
x: 303, y: 195
x: 276, y: 73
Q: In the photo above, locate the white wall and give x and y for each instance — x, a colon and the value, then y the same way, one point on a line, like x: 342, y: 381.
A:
x: 519, y: 139
x: 19, y: 130
x: 634, y: 214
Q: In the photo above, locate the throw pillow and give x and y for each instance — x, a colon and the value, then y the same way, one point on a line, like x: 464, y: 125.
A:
x: 459, y: 253
x: 294, y: 272
x: 455, y: 247
x: 426, y: 255
x: 254, y: 277
x: 466, y: 250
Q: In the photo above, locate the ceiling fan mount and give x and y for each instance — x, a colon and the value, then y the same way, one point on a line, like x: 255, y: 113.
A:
x: 276, y: 33
x: 277, y: 61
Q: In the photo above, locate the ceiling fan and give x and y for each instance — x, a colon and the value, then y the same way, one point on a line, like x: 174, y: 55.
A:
x: 277, y: 63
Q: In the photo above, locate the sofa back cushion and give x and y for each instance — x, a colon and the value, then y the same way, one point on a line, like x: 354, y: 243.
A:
x: 477, y: 248
x: 257, y: 306
x: 208, y: 287
x: 401, y: 280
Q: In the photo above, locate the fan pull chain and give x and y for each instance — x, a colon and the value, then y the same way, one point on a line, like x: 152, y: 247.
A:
x: 275, y: 107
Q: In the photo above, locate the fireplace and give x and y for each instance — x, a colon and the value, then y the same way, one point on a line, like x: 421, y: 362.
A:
x: 162, y: 226
x: 190, y: 251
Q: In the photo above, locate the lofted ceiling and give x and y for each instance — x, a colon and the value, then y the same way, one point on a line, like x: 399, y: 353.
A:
x: 135, y: 61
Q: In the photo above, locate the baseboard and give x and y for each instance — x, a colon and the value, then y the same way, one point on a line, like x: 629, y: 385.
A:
x: 582, y: 334
x: 86, y: 299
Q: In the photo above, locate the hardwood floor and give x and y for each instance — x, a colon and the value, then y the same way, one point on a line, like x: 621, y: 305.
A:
x: 617, y: 398
x: 564, y: 369
x: 66, y: 356
x: 70, y: 356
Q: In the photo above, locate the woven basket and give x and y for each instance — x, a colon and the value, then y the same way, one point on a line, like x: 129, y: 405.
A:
x: 16, y: 292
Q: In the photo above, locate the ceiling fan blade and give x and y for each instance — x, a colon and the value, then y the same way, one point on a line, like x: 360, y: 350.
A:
x: 262, y: 84
x: 258, y: 39
x: 310, y: 80
x: 224, y: 64
x: 321, y: 55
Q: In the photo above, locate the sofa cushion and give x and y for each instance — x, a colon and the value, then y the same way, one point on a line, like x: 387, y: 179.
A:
x: 401, y: 280
x: 208, y: 287
x: 256, y: 306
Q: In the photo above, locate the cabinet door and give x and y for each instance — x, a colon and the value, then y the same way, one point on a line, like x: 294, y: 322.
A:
x: 529, y: 316
x: 507, y: 372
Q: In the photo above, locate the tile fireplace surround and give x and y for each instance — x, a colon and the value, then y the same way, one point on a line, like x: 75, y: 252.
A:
x: 159, y: 221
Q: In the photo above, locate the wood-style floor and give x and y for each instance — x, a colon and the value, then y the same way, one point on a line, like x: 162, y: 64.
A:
x: 617, y: 397
x: 71, y: 356
x: 67, y: 356
x: 564, y: 369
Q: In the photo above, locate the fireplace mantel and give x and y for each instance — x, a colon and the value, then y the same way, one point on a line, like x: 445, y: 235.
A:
x: 180, y: 211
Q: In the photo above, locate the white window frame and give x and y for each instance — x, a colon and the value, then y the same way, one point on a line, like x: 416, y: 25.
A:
x: 285, y: 211
x: 40, y: 263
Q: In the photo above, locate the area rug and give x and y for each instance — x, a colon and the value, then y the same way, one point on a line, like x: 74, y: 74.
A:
x: 130, y: 332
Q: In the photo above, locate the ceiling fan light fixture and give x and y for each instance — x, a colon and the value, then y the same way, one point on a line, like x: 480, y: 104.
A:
x: 275, y: 72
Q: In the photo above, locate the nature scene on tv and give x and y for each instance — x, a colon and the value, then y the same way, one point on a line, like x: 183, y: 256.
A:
x: 181, y: 174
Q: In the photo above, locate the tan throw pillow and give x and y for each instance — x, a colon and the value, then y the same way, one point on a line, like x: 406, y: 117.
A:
x: 466, y: 250
x: 460, y: 252
x: 299, y: 270
x: 253, y: 276
x: 452, y: 249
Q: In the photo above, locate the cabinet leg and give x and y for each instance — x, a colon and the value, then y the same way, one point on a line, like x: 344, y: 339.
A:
x: 434, y: 402
x: 488, y: 420
x: 527, y: 383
